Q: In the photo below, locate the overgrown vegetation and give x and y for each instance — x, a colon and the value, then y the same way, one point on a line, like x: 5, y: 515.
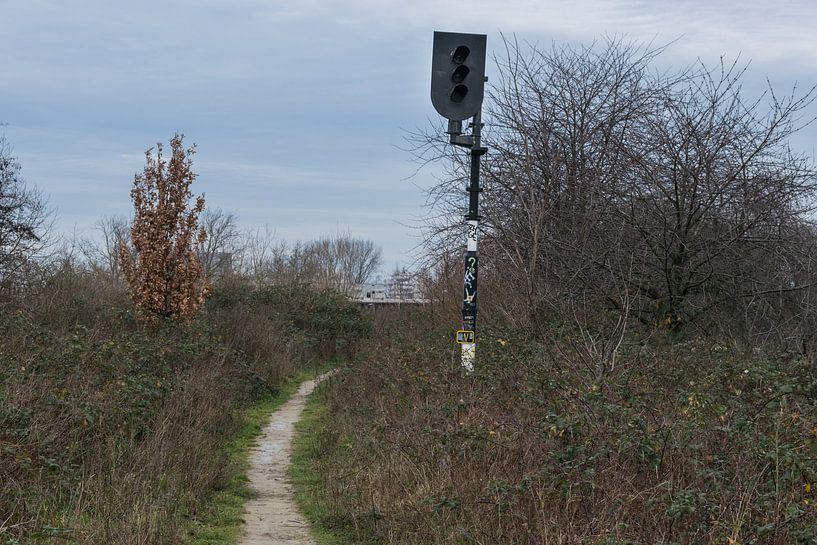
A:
x: 645, y: 365
x: 220, y: 523
x: 120, y: 430
x: 112, y: 433
x: 645, y: 372
x: 307, y: 471
x: 693, y: 441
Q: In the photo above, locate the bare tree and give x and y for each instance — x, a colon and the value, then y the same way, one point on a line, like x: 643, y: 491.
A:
x: 102, y: 254
x: 557, y: 122
x: 24, y: 217
x: 560, y: 119
x: 670, y: 197
x: 343, y: 262
x: 223, y: 244
x: 337, y: 261
x: 269, y: 261
x: 712, y: 193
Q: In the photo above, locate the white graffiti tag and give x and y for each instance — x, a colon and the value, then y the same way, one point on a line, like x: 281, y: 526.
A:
x: 469, y: 278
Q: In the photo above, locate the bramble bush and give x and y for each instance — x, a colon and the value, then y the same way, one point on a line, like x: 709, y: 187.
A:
x: 111, y: 432
x: 684, y: 441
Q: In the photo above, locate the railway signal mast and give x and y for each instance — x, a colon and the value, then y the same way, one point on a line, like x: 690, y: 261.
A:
x: 457, y: 89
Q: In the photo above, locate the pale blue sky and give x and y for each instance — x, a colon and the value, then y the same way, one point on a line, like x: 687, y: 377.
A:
x: 298, y: 108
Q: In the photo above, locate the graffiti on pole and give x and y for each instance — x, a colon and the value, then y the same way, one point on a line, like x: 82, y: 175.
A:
x: 469, y: 292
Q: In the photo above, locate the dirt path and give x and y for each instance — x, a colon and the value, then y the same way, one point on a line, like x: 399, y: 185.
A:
x: 272, y: 518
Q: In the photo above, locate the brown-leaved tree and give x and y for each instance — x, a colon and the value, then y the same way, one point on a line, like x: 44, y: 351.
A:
x: 166, y: 277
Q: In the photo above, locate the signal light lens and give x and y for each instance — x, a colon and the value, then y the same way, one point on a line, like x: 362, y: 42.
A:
x: 458, y: 94
x: 460, y: 54
x: 460, y: 73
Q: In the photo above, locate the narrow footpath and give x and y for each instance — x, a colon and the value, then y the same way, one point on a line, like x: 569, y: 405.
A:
x: 272, y: 518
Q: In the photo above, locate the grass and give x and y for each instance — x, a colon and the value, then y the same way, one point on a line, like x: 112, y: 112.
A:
x: 685, y: 440
x: 220, y: 523
x: 98, y: 413
x: 304, y: 472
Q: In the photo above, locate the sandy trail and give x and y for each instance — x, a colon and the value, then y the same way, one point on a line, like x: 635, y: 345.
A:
x: 272, y: 518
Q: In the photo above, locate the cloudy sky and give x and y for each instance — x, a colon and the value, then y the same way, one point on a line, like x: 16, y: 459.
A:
x: 299, y: 108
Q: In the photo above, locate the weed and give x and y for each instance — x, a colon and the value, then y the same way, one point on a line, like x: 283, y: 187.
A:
x: 309, y: 446
x: 684, y: 441
x: 111, y: 432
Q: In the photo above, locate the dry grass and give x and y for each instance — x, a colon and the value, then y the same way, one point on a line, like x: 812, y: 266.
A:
x: 682, y: 442
x: 114, y: 433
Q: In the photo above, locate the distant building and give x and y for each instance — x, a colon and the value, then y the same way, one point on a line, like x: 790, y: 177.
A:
x: 372, y: 292
x: 400, y: 287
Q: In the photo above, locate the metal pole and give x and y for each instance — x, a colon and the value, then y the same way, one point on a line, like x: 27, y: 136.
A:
x: 469, y: 290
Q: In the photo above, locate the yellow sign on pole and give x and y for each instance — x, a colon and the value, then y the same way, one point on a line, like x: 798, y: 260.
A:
x: 465, y: 337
